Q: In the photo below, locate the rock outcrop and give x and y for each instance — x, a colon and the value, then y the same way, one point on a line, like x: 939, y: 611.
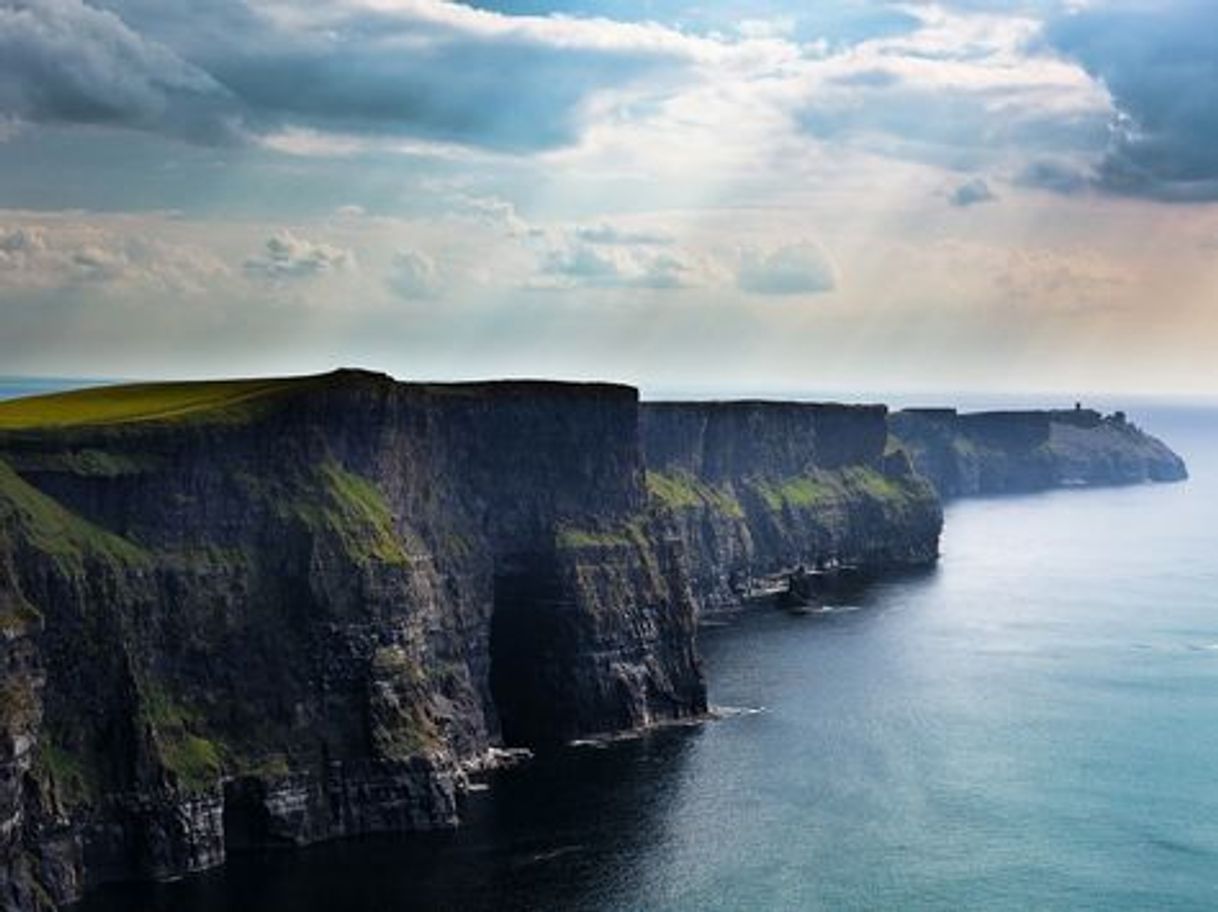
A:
x: 240, y: 614
x: 1010, y: 452
x: 764, y: 490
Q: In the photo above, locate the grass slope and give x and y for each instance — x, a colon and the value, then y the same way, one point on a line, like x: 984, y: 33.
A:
x: 56, y: 531
x: 214, y: 400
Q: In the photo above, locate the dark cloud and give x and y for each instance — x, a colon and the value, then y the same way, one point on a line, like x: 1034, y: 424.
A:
x: 1159, y: 61
x: 510, y: 96
x: 796, y: 269
x: 1059, y: 176
x: 64, y: 61
x: 202, y: 71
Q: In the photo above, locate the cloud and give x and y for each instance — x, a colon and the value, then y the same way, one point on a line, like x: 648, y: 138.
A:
x: 873, y: 79
x: 496, y: 213
x: 964, y: 91
x: 1064, y: 177
x: 972, y: 192
x: 290, y: 257
x: 62, y: 61
x: 666, y: 271
x: 575, y: 263
x: 414, y: 275
x: 795, y: 269
x: 605, y: 233
x: 71, y: 255
x: 292, y: 74
x: 583, y: 263
x: 377, y: 78
x: 835, y: 25
x: 1159, y: 61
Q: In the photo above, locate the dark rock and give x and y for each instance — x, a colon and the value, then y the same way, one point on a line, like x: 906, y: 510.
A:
x: 271, y: 623
x: 761, y: 490
x: 1007, y: 452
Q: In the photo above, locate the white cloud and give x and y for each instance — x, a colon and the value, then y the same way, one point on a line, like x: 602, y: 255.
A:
x: 62, y: 254
x: 494, y: 212
x: 605, y: 233
x: 414, y: 275
x: 290, y: 257
x: 966, y: 89
x: 569, y: 262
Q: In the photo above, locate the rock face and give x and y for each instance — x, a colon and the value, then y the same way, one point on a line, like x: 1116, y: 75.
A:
x: 1007, y: 452
x: 764, y: 490
x: 288, y: 612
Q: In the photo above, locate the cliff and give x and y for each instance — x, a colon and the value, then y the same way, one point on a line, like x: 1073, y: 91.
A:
x: 761, y: 490
x: 247, y: 613
x: 244, y: 613
x: 1007, y: 452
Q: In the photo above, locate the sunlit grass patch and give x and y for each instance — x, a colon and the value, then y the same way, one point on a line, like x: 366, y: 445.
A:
x: 217, y: 400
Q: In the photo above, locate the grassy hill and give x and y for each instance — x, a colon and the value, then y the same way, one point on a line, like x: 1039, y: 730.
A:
x: 211, y: 400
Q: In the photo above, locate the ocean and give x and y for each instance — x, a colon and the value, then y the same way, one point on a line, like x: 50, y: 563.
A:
x: 1032, y: 725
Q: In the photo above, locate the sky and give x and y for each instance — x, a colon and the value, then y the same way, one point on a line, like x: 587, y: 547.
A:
x: 990, y: 195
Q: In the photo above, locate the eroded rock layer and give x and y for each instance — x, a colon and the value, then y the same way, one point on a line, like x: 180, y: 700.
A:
x: 764, y: 490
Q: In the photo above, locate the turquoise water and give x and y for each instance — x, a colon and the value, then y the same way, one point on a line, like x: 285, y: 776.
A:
x: 1034, y: 725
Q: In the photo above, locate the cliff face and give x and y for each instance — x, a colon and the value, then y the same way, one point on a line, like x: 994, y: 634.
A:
x: 761, y: 489
x: 289, y: 613
x: 1006, y: 452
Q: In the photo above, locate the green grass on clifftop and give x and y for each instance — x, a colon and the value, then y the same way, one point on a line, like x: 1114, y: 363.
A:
x: 212, y: 400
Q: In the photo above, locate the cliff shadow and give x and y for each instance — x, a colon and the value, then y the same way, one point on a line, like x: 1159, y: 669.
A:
x: 531, y: 643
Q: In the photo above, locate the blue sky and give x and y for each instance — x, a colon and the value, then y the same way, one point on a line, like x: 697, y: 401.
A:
x: 975, y: 194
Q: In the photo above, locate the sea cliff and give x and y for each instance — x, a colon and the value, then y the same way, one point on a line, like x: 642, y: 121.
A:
x: 967, y: 454
x: 248, y: 614
x: 764, y: 490
x: 251, y: 613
